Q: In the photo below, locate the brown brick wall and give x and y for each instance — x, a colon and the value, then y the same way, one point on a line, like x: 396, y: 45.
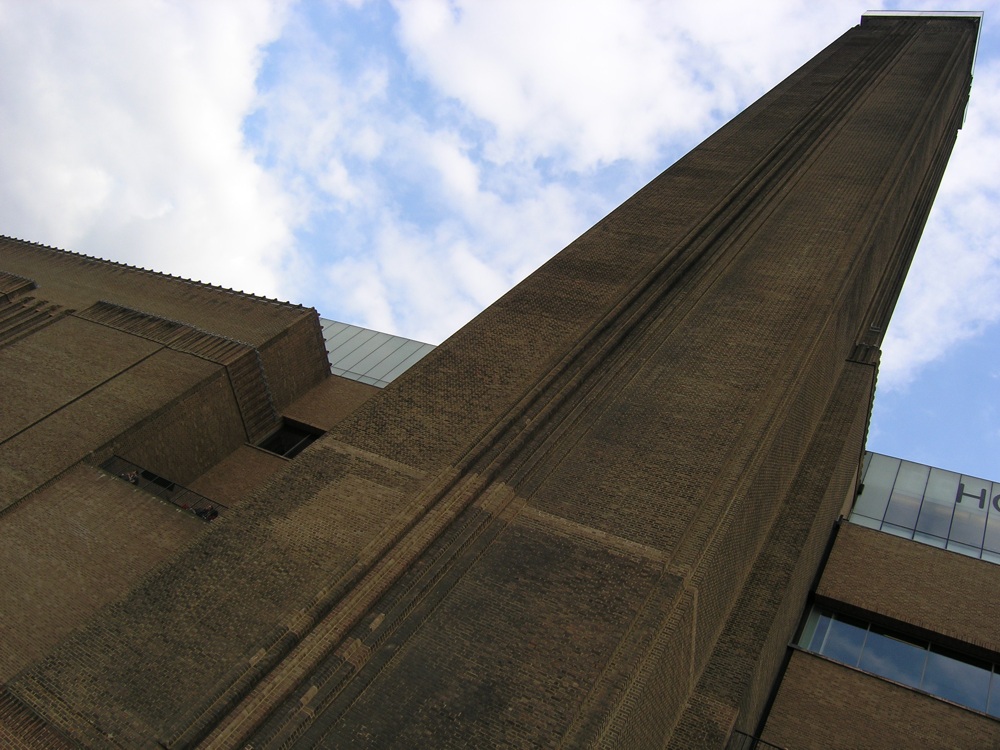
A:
x: 328, y: 403
x: 78, y: 281
x: 238, y: 475
x: 68, y: 434
x: 197, y: 624
x: 737, y: 681
x: 295, y: 360
x: 904, y: 581
x: 822, y: 705
x: 188, y: 436
x: 679, y: 456
x: 80, y: 543
x: 58, y: 364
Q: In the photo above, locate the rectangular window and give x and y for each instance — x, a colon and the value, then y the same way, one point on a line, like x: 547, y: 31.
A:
x: 290, y: 439
x: 914, y: 663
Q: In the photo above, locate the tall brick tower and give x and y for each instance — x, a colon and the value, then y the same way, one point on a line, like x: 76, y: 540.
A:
x: 593, y: 515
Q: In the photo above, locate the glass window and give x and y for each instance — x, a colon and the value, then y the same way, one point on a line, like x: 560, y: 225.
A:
x: 992, y: 540
x: 870, y: 523
x: 844, y: 640
x: 957, y: 678
x: 814, y: 631
x: 935, y: 518
x: 963, y: 549
x: 894, y: 657
x: 968, y: 526
x: 907, y: 492
x: 878, y: 481
x: 941, y: 508
x: 971, y: 501
x: 993, y: 707
x: 903, y: 531
x: 933, y: 541
x: 942, y: 486
x: 940, y: 672
x: 939, y: 503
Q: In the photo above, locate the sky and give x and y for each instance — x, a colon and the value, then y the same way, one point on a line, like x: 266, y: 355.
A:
x: 400, y: 165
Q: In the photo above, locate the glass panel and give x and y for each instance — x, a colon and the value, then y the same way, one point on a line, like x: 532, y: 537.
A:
x: 957, y: 678
x: 408, y: 362
x: 331, y: 327
x: 942, y: 486
x: 971, y: 501
x: 939, y: 503
x: 993, y: 708
x: 907, y: 492
x: 894, y: 657
x: 878, y: 480
x: 844, y: 640
x: 902, y: 531
x: 934, y: 541
x: 393, y: 360
x: 379, y: 355
x: 814, y: 631
x: 935, y: 518
x: 992, y: 540
x: 860, y: 520
x: 968, y: 526
x: 358, y: 353
x: 992, y: 557
x: 343, y: 337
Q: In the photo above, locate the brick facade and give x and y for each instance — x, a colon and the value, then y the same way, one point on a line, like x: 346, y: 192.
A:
x: 928, y: 590
x: 826, y: 706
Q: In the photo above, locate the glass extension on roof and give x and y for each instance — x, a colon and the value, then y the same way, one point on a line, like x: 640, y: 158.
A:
x: 369, y: 356
x: 933, y: 506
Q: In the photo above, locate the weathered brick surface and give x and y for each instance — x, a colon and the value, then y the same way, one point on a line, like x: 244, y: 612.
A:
x: 507, y: 643
x: 193, y: 627
x: 22, y: 729
x: 238, y: 475
x: 242, y: 471
x: 295, y: 360
x: 330, y: 402
x: 46, y: 371
x: 737, y: 680
x: 70, y: 433
x: 82, y: 542
x: 187, y: 437
x: 926, y: 588
x: 78, y: 281
x: 826, y: 706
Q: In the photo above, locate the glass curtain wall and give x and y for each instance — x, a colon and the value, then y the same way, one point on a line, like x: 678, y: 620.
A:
x: 933, y: 506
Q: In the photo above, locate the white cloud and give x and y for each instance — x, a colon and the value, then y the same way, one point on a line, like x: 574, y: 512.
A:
x: 591, y: 83
x: 122, y: 129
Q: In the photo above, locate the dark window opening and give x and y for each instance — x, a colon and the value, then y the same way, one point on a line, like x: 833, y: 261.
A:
x: 290, y: 439
x: 163, y: 488
x: 158, y: 480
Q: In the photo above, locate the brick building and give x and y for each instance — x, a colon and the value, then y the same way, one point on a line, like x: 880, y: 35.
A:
x: 594, y: 516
